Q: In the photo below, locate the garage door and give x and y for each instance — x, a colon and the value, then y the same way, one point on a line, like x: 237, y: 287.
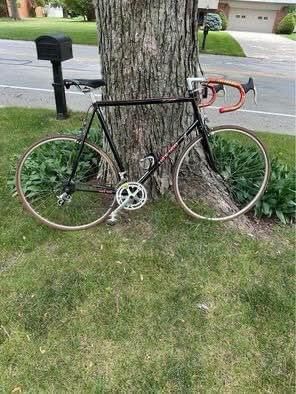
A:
x: 251, y: 20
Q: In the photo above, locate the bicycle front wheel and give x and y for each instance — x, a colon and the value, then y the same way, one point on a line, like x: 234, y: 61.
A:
x: 42, y: 182
x: 239, y: 179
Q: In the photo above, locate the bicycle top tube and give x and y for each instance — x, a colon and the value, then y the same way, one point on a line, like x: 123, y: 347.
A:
x: 202, y: 83
x: 160, y: 100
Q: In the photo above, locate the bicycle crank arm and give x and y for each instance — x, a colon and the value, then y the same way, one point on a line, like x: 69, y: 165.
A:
x: 113, y: 215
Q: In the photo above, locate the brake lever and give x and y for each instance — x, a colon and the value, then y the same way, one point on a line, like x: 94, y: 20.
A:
x: 224, y: 94
x: 255, y: 95
x: 220, y: 87
x: 250, y: 86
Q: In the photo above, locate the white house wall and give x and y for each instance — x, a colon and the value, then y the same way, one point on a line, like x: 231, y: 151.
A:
x: 260, y: 21
x: 252, y: 16
x: 255, y: 5
x: 210, y: 4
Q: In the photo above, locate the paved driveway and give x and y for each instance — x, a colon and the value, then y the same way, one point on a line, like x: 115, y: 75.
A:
x: 266, y: 46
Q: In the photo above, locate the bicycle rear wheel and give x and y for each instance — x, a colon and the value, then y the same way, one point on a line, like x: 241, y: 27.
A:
x: 42, y: 178
x: 240, y: 179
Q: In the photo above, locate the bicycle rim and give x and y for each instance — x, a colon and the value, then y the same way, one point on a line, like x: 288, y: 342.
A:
x: 240, y: 180
x: 44, y: 171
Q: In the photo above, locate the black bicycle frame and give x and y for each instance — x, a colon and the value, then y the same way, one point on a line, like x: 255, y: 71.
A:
x: 198, y: 122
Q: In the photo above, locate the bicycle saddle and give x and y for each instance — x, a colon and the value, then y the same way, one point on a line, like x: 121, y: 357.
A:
x: 90, y: 83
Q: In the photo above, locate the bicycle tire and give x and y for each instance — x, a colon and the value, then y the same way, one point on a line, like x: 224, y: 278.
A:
x: 247, y: 150
x: 41, y: 174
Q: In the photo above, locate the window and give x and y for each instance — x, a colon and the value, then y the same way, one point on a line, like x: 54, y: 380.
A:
x: 237, y: 16
x: 266, y: 18
x: 260, y: 17
x: 243, y: 16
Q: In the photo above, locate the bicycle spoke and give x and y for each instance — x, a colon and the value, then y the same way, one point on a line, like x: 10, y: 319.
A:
x: 60, y: 204
x: 243, y: 165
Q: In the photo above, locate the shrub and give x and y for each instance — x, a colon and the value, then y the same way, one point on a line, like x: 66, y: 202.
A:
x: 84, y: 8
x: 223, y: 20
x: 58, y: 155
x: 279, y: 199
x: 286, y: 25
x: 213, y: 22
x: 39, y: 3
x: 291, y: 8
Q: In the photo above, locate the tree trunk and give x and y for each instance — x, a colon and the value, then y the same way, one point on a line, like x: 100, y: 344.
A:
x: 4, y: 9
x: 13, y: 10
x: 91, y: 15
x: 148, y: 49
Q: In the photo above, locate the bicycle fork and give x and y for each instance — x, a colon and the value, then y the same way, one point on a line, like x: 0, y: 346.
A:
x: 208, y: 150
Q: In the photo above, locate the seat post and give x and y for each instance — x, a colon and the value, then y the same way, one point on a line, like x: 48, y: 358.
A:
x: 93, y: 97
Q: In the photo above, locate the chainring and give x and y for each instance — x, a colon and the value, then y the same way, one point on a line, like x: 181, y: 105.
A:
x: 133, y: 191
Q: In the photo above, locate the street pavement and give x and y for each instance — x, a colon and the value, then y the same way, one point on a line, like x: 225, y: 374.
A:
x: 25, y: 81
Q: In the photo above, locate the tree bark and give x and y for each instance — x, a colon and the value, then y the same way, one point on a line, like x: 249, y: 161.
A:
x: 4, y: 9
x: 13, y: 10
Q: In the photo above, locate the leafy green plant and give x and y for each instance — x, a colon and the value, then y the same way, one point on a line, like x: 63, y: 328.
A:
x: 38, y: 3
x: 84, y: 8
x: 213, y: 22
x: 287, y: 24
x: 224, y: 20
x: 57, y: 157
x: 56, y: 3
x: 279, y: 199
x: 292, y: 8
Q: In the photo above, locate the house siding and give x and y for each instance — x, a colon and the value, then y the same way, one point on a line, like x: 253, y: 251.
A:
x: 280, y: 10
x: 25, y: 9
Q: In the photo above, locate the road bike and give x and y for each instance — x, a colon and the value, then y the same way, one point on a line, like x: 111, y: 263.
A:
x: 69, y: 182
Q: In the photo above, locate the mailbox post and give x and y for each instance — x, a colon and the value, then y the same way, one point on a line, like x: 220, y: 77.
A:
x: 56, y: 48
x: 205, y: 33
x: 205, y: 6
x: 59, y: 90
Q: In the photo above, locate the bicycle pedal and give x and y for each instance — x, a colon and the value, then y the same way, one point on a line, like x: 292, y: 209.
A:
x: 112, y: 219
x: 111, y: 222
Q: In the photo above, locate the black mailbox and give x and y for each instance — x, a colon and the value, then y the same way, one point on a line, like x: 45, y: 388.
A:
x: 54, y: 47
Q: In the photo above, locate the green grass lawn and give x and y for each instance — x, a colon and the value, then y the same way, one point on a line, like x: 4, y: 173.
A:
x: 120, y: 309
x: 291, y: 36
x: 220, y: 43
x: 281, y: 146
x: 31, y: 28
